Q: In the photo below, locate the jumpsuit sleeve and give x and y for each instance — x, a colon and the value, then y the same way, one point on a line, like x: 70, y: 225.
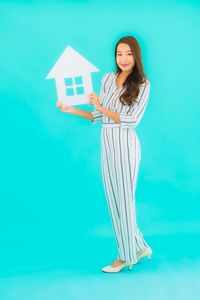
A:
x: 97, y: 115
x: 135, y: 113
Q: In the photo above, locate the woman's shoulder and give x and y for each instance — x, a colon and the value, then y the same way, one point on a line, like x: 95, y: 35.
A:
x: 108, y: 75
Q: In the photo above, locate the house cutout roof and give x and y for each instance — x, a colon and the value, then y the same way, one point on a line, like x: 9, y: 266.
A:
x: 71, y: 63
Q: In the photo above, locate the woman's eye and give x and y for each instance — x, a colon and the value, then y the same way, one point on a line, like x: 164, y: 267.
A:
x: 120, y: 54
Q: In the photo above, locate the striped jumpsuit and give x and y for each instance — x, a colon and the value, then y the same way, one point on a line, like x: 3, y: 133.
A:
x: 120, y: 158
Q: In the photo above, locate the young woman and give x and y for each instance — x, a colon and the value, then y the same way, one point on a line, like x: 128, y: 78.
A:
x: 123, y: 99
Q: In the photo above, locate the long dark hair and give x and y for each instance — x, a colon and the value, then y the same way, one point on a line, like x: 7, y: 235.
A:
x: 136, y: 77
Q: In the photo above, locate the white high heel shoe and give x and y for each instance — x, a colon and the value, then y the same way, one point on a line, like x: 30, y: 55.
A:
x: 147, y: 252
x: 110, y: 269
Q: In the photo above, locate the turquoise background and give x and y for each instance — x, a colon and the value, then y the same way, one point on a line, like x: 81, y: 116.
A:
x: 54, y: 220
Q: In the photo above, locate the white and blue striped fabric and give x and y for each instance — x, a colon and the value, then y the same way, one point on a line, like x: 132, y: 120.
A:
x: 120, y: 159
x: 130, y: 116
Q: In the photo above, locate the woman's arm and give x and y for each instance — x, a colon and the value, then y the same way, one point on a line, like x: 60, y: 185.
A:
x: 133, y: 117
x: 82, y: 113
x: 76, y: 111
x: 109, y: 113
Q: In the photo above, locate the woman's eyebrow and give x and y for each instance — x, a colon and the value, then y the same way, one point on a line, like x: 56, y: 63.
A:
x: 122, y: 51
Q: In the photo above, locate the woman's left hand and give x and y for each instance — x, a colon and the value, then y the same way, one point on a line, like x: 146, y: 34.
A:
x: 94, y: 99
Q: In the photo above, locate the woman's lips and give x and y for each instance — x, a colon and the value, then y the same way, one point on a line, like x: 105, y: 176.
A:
x: 124, y: 65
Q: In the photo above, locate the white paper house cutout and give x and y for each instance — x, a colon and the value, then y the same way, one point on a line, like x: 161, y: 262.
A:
x: 72, y: 73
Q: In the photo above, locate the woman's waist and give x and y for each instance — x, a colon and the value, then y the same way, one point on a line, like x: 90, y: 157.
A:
x: 105, y: 124
x: 117, y: 125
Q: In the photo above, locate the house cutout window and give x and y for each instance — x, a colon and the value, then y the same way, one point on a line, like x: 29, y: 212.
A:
x: 74, y: 86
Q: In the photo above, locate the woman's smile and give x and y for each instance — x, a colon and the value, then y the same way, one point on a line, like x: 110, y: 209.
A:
x: 124, y: 65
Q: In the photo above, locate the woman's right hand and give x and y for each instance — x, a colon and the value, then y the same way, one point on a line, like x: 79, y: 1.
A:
x: 64, y: 108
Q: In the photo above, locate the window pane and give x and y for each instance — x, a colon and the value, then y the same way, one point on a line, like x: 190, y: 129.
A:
x: 80, y: 90
x: 70, y: 92
x: 78, y: 80
x: 68, y: 81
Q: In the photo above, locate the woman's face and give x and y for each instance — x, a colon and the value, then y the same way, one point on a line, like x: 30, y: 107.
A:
x: 124, y: 57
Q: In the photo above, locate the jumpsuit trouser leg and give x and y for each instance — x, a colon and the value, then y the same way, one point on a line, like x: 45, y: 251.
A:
x: 120, y: 158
